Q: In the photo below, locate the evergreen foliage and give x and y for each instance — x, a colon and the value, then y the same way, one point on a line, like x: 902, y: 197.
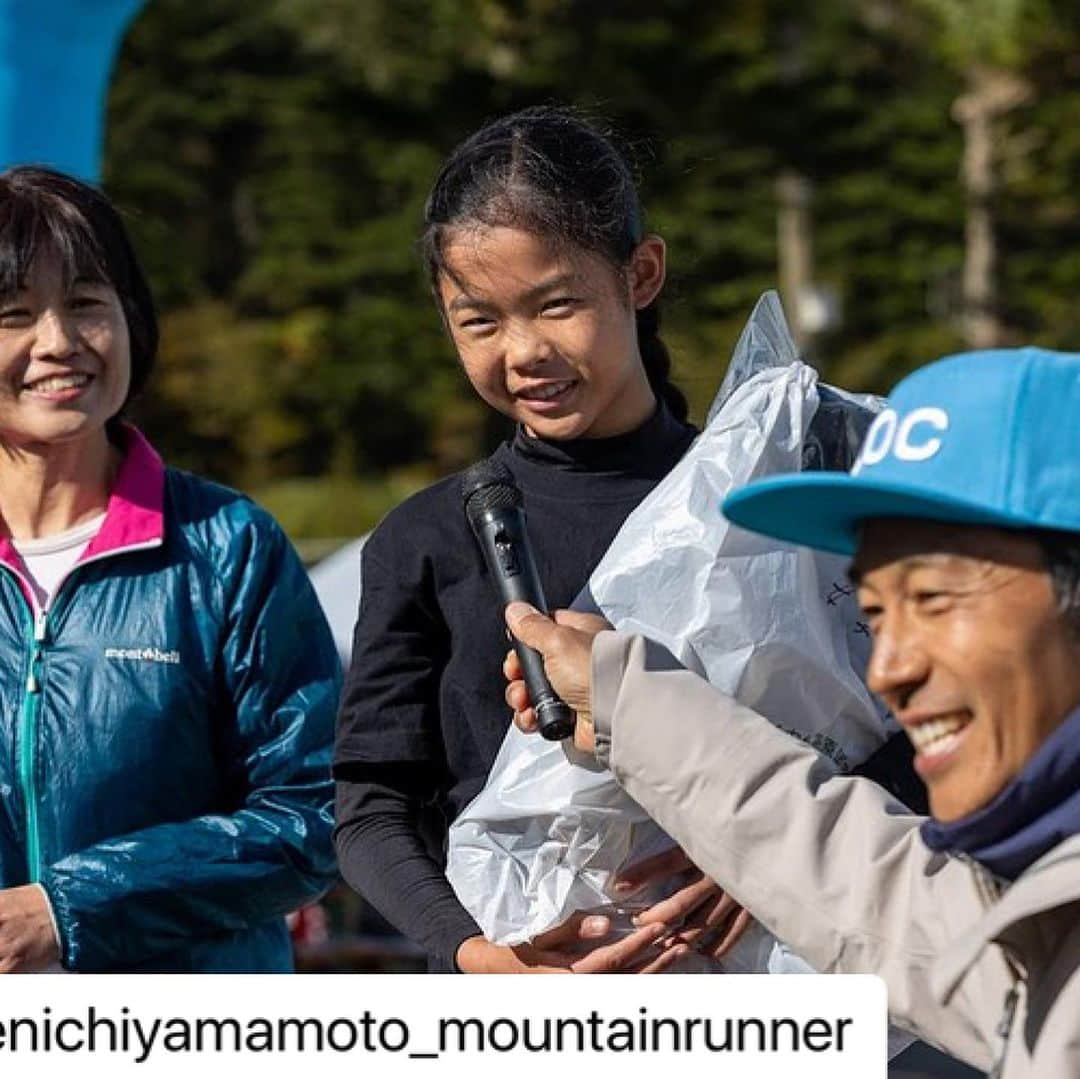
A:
x: 274, y: 158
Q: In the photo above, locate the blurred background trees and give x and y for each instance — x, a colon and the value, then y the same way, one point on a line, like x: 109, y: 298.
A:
x: 274, y: 158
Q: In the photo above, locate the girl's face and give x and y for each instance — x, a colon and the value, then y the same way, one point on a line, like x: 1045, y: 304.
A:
x: 547, y: 334
x: 65, y: 359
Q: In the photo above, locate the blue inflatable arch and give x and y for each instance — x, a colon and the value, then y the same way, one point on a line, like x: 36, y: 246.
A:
x: 56, y: 57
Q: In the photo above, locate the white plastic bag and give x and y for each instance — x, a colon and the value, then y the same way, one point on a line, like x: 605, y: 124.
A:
x: 774, y: 625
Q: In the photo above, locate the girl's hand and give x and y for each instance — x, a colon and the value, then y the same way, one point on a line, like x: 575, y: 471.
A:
x: 559, y: 951
x: 703, y: 916
x: 27, y: 938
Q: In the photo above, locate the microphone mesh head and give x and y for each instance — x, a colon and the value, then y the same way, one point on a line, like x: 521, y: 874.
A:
x: 488, y: 485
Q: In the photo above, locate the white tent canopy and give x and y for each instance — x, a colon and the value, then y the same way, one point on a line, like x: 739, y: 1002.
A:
x: 337, y: 584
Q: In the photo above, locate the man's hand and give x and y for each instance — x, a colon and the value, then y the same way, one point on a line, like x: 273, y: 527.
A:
x: 566, y: 645
x: 575, y: 947
x: 27, y: 939
x: 701, y: 915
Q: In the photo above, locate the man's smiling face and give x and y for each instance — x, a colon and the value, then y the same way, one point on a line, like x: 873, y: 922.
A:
x: 970, y: 651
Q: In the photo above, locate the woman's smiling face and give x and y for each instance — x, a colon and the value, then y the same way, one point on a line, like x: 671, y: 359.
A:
x: 65, y: 358
x: 547, y: 334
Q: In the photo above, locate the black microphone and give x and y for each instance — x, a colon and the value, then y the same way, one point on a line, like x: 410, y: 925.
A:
x: 493, y: 505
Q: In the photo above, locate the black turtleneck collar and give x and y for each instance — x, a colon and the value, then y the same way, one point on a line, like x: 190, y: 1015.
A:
x: 648, y: 451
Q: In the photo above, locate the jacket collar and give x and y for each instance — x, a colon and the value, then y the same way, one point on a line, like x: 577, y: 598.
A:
x: 1052, y: 882
x: 134, y: 514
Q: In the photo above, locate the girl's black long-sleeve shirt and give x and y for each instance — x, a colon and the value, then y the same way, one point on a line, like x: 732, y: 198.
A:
x: 423, y: 713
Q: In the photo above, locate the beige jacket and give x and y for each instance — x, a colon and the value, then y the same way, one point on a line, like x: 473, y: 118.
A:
x: 835, y: 868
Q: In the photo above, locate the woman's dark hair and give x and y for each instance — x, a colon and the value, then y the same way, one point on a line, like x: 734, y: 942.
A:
x: 553, y: 173
x: 43, y: 209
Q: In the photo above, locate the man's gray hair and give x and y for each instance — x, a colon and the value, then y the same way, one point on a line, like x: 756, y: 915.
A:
x: 1062, y: 553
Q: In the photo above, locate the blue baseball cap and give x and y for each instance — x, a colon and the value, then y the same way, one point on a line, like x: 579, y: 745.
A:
x: 981, y: 438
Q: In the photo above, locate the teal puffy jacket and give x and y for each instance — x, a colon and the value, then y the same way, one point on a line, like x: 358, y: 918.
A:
x: 165, y: 732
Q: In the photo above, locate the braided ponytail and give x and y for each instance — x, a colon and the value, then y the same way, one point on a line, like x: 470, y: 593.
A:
x: 657, y: 361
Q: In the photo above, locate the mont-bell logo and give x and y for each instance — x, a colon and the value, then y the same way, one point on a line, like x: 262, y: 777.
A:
x: 145, y: 655
x: 914, y: 436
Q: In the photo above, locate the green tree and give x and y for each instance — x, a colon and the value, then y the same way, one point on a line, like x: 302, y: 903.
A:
x: 275, y: 158
x: 989, y: 44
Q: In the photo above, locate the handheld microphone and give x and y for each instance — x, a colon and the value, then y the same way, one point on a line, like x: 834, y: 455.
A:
x: 493, y: 505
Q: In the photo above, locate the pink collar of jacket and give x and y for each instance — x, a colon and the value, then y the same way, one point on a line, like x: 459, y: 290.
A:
x: 134, y: 514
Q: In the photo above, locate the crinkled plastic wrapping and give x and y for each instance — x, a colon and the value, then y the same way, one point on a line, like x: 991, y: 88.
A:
x: 774, y: 625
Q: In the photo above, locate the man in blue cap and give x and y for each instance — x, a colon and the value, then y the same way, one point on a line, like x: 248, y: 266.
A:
x: 963, y: 516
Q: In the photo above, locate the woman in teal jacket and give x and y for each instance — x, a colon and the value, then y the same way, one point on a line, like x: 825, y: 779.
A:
x: 167, y: 680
